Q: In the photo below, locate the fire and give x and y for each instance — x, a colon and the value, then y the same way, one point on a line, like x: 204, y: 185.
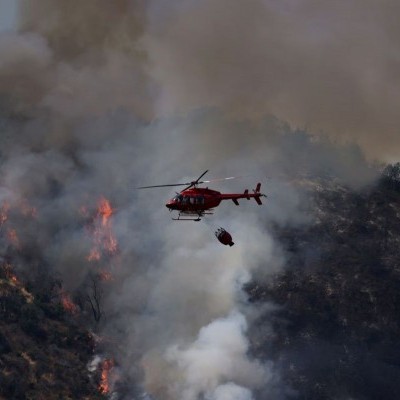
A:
x: 110, y: 243
x: 9, y: 273
x: 94, y: 255
x: 106, y: 369
x: 105, y: 276
x: 104, y: 241
x: 67, y: 303
x: 105, y: 210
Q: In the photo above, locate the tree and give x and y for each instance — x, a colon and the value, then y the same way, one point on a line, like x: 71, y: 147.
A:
x: 94, y: 297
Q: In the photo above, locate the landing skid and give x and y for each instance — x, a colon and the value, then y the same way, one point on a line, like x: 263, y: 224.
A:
x: 186, y: 219
x: 196, y: 216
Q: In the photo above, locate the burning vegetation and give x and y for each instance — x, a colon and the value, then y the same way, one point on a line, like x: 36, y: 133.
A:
x: 49, y: 314
x: 103, y: 255
x: 67, y: 303
x: 106, y: 368
x: 101, y: 232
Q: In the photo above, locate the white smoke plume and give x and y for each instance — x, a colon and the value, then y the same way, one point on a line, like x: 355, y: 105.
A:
x: 99, y: 97
x: 219, y: 355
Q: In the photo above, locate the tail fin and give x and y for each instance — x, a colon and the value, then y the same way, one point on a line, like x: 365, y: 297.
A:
x: 257, y: 199
x: 258, y: 194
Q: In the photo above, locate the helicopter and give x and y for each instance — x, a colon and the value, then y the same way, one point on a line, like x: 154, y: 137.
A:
x: 193, y: 203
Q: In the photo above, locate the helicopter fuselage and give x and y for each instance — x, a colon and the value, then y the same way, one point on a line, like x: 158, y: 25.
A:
x: 198, y: 200
x: 194, y: 202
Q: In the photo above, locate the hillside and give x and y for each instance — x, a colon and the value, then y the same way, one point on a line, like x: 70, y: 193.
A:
x: 333, y: 332
x: 337, y: 328
x: 43, y: 353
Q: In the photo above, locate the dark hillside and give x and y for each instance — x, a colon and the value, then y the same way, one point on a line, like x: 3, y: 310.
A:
x: 43, y: 353
x: 337, y: 331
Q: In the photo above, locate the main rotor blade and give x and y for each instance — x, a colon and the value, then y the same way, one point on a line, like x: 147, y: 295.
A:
x: 198, y: 179
x: 193, y: 183
x: 156, y: 186
x: 222, y: 179
x: 189, y: 184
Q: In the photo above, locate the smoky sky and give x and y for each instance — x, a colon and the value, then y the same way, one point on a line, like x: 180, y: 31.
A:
x: 330, y: 67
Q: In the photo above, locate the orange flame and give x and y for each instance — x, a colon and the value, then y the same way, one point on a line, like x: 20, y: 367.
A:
x: 110, y: 243
x: 9, y: 273
x: 106, y: 369
x: 67, y: 303
x: 105, y: 276
x: 103, y: 236
x: 105, y: 210
x: 94, y: 255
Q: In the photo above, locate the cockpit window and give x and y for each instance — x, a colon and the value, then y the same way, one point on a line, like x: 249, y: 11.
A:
x: 178, y: 198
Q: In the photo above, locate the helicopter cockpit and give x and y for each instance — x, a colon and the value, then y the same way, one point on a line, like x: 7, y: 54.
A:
x: 178, y: 198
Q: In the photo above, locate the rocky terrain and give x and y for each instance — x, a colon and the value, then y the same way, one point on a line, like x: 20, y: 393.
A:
x: 335, y: 334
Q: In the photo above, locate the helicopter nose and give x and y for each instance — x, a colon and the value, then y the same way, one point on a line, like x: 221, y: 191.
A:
x: 169, y: 205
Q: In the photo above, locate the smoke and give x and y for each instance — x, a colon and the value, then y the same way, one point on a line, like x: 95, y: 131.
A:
x: 329, y: 68
x: 100, y: 97
x: 219, y: 354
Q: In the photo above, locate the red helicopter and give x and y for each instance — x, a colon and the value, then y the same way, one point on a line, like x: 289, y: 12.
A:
x: 193, y: 202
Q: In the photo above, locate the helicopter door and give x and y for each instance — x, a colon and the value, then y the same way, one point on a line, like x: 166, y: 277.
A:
x: 200, y: 200
x: 185, y: 200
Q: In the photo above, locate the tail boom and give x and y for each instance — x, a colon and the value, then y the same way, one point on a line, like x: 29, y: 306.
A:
x: 256, y: 195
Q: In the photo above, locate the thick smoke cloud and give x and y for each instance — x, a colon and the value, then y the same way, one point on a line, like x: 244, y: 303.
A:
x: 330, y: 67
x: 219, y: 353
x: 99, y: 97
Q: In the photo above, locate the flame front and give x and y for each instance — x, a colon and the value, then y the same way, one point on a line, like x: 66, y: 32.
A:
x: 67, y: 303
x: 106, y: 369
x: 9, y: 273
x: 105, y: 211
x: 104, y: 241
